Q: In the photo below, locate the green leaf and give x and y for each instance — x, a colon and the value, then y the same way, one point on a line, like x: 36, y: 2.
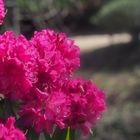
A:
x: 61, y: 134
x: 68, y: 134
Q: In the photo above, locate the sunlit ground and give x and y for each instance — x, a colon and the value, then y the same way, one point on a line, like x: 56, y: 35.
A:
x: 90, y: 42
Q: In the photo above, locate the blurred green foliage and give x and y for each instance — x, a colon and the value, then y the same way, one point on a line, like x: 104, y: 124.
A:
x: 119, y: 15
x: 62, y: 15
x: 47, y: 13
x: 111, y: 15
x: 37, y: 6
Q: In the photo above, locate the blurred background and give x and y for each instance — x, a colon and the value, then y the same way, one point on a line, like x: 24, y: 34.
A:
x: 107, y: 31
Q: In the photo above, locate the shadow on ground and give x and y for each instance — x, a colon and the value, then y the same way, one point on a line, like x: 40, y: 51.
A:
x: 112, y: 58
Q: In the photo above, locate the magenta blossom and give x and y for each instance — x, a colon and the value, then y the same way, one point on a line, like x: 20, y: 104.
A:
x: 61, y: 55
x: 9, y: 132
x: 2, y: 14
x: 44, y: 111
x: 58, y: 57
x: 17, y: 65
x: 87, y: 104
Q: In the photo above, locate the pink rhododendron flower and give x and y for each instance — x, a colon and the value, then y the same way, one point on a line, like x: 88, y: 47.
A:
x: 2, y: 14
x: 44, y: 111
x: 87, y: 104
x: 59, y: 52
x: 58, y: 56
x: 9, y: 132
x: 16, y: 65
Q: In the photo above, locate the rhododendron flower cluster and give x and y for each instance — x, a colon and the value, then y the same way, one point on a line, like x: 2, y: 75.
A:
x: 16, y: 65
x: 39, y: 72
x: 1, y: 11
x: 9, y: 132
x: 37, y: 76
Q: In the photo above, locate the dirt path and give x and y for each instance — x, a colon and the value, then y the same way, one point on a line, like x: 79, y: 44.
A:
x: 90, y: 42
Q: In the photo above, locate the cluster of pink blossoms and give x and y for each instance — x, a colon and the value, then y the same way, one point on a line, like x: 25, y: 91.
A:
x: 38, y: 73
x: 2, y: 14
x: 9, y: 132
